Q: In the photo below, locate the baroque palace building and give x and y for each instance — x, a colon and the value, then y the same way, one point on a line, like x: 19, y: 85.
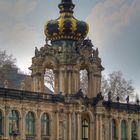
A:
x: 67, y: 114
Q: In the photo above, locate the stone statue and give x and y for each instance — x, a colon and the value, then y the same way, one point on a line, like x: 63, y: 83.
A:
x: 97, y: 52
x: 22, y: 85
x: 6, y: 84
x: 36, y: 52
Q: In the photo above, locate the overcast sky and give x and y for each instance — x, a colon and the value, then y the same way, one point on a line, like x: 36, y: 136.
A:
x: 114, y: 29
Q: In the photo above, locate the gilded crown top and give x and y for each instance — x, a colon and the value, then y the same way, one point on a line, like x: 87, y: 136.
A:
x: 66, y: 26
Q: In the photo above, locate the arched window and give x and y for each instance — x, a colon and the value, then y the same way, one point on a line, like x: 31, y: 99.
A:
x: 1, y: 123
x: 30, y: 124
x: 114, y: 130
x: 85, y: 130
x: 123, y: 130
x: 134, y: 130
x: 13, y: 122
x: 45, y: 125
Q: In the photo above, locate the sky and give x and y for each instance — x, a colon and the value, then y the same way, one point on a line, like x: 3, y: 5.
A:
x: 114, y: 30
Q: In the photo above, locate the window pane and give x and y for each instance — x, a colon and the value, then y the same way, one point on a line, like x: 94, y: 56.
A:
x: 13, y: 122
x: 30, y: 124
x: 85, y: 129
x: 134, y: 130
x: 45, y: 125
x: 123, y: 130
x: 114, y: 129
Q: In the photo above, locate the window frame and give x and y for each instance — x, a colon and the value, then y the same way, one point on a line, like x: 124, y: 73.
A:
x: 30, y: 124
x: 13, y: 122
x: 45, y: 120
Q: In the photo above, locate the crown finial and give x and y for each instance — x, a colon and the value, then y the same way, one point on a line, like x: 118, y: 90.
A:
x: 66, y: 6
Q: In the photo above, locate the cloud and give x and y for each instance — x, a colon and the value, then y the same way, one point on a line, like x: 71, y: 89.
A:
x: 17, y: 34
x: 109, y: 17
x: 16, y: 10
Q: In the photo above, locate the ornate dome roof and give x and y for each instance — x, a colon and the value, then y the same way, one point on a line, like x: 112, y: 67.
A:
x: 66, y: 26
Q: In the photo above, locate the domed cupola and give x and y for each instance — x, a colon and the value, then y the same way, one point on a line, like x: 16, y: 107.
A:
x: 66, y: 27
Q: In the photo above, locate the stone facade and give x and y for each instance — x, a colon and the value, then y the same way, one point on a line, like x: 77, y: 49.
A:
x: 67, y: 114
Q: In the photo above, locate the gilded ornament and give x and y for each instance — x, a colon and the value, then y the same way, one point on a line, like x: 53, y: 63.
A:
x: 73, y: 25
x: 61, y: 24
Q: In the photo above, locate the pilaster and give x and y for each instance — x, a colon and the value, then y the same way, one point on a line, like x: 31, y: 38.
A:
x: 119, y: 128
x: 69, y: 129
x: 6, y: 123
x: 38, y: 126
x: 97, y: 127
x: 138, y: 129
x: 78, y: 126
x: 129, y: 129
x: 23, y: 125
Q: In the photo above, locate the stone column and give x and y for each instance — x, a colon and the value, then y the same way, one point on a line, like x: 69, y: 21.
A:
x: 97, y: 128
x: 23, y: 125
x: 69, y: 81
x: 74, y: 126
x: 91, y: 131
x: 73, y: 82
x: 119, y: 129
x: 138, y: 131
x: 38, y: 80
x: 69, y: 129
x: 38, y: 125
x: 110, y: 128
x: 57, y: 126
x: 56, y: 81
x: 6, y: 123
x: 94, y: 88
x: 100, y: 126
x: 129, y: 129
x: 78, y: 126
x: 90, y: 85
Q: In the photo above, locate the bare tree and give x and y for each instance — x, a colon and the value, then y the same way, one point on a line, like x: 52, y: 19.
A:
x: 117, y: 85
x: 49, y: 79
x: 84, y: 81
x: 7, y: 62
x: 6, y: 59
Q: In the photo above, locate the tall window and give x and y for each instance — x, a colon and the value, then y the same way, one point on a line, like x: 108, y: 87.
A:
x: 13, y: 122
x: 85, y: 130
x: 30, y: 124
x: 45, y: 125
x: 134, y: 130
x: 123, y: 130
x: 114, y: 130
x: 1, y: 122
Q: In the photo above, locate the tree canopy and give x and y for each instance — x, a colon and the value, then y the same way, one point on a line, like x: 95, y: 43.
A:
x: 6, y: 59
x: 117, y: 85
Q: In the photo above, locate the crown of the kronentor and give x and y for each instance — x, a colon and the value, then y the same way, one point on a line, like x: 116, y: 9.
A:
x: 66, y: 26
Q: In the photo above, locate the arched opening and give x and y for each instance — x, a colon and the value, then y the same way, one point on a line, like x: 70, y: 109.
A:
x: 84, y: 81
x: 45, y: 125
x: 1, y: 123
x: 49, y: 81
x: 13, y: 122
x: 134, y: 133
x: 85, y: 128
x: 123, y: 130
x: 30, y: 124
x: 114, y: 130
